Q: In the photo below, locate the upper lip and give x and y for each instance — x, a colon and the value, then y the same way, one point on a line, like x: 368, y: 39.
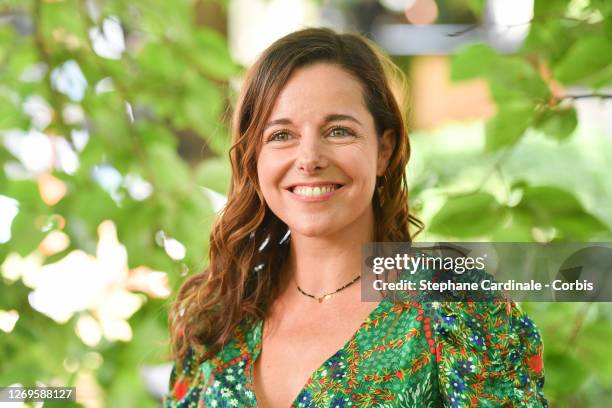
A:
x: 313, y: 184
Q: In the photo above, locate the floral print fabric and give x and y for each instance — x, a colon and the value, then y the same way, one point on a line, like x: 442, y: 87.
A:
x: 405, y: 354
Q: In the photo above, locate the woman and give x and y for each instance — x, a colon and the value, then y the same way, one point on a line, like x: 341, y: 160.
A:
x: 318, y: 169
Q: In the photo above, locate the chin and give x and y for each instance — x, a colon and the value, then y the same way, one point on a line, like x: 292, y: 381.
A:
x: 311, y: 229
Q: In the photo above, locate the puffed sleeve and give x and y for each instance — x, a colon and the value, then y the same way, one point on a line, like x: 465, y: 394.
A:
x: 185, y: 383
x: 489, y: 354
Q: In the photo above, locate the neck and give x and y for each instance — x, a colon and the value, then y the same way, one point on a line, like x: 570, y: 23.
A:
x: 323, y: 264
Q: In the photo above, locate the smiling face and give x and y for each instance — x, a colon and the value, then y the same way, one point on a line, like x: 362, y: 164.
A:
x: 320, y: 153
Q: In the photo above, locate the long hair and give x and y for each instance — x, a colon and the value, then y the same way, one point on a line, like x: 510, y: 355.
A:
x: 248, y: 243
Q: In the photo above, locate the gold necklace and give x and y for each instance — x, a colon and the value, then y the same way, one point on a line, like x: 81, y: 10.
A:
x: 330, y: 294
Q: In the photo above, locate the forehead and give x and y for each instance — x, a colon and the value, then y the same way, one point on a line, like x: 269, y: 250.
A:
x: 317, y: 90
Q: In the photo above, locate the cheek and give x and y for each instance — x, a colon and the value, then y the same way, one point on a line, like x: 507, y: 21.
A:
x: 362, y: 165
x: 269, y: 173
x: 368, y: 185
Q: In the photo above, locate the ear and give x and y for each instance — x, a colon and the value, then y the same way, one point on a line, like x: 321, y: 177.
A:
x: 386, y: 145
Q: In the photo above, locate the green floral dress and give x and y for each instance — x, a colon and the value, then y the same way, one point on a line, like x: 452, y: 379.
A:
x: 405, y: 354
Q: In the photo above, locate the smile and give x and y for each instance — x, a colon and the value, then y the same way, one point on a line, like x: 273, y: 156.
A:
x: 317, y: 191
x: 314, y: 193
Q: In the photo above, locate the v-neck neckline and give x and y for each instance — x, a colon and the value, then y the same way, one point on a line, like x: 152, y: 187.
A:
x: 258, y: 347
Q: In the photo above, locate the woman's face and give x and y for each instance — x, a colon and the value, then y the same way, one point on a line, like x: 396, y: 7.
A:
x: 320, y: 154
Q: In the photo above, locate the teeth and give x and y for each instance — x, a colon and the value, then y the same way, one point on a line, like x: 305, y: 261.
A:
x: 313, y: 191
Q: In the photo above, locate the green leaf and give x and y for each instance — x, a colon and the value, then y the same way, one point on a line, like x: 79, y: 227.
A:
x: 603, y: 6
x: 607, y: 28
x: 586, y: 57
x: 140, y: 222
x: 466, y: 216
x: 128, y: 389
x: 149, y: 327
x: 515, y: 80
x: 202, y: 110
x: 549, y: 206
x: 600, y: 79
x: 203, y: 105
x: 20, y: 54
x: 189, y: 221
x: 564, y: 373
x: 508, y: 125
x: 518, y: 229
x: 61, y: 21
x: 152, y: 134
x: 549, y: 41
x: 549, y: 8
x: 169, y: 173
x: 558, y: 124
x: 194, y: 226
x: 211, y: 52
x: 593, y: 346
x: 26, y: 234
x: 477, y: 6
x: 26, y: 231
x: 510, y: 78
x: 473, y: 61
x: 86, y: 210
x: 214, y: 174
x: 556, y: 201
x: 109, y: 122
x: 159, y: 61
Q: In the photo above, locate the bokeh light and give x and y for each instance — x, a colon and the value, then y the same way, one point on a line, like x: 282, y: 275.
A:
x: 421, y: 12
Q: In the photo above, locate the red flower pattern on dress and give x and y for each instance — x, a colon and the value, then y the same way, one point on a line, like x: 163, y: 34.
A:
x: 180, y: 390
x: 536, y: 363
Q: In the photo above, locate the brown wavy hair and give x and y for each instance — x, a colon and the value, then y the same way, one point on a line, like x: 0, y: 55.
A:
x: 248, y: 243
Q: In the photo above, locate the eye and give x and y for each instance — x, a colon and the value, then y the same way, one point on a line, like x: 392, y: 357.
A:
x: 280, y: 136
x: 340, y: 132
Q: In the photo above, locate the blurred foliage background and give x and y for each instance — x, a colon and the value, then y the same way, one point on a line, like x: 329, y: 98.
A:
x: 113, y: 123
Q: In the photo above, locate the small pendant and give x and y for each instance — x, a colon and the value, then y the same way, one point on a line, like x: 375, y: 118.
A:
x: 322, y: 298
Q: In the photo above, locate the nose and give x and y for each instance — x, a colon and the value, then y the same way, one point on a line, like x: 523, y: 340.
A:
x: 311, y: 155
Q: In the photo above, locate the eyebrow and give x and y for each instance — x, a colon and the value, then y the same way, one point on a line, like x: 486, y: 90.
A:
x: 333, y: 117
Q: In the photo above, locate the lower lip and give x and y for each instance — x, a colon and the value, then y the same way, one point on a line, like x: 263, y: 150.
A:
x: 314, y: 199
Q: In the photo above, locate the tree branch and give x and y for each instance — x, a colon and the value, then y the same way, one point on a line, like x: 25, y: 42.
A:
x: 587, y: 96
